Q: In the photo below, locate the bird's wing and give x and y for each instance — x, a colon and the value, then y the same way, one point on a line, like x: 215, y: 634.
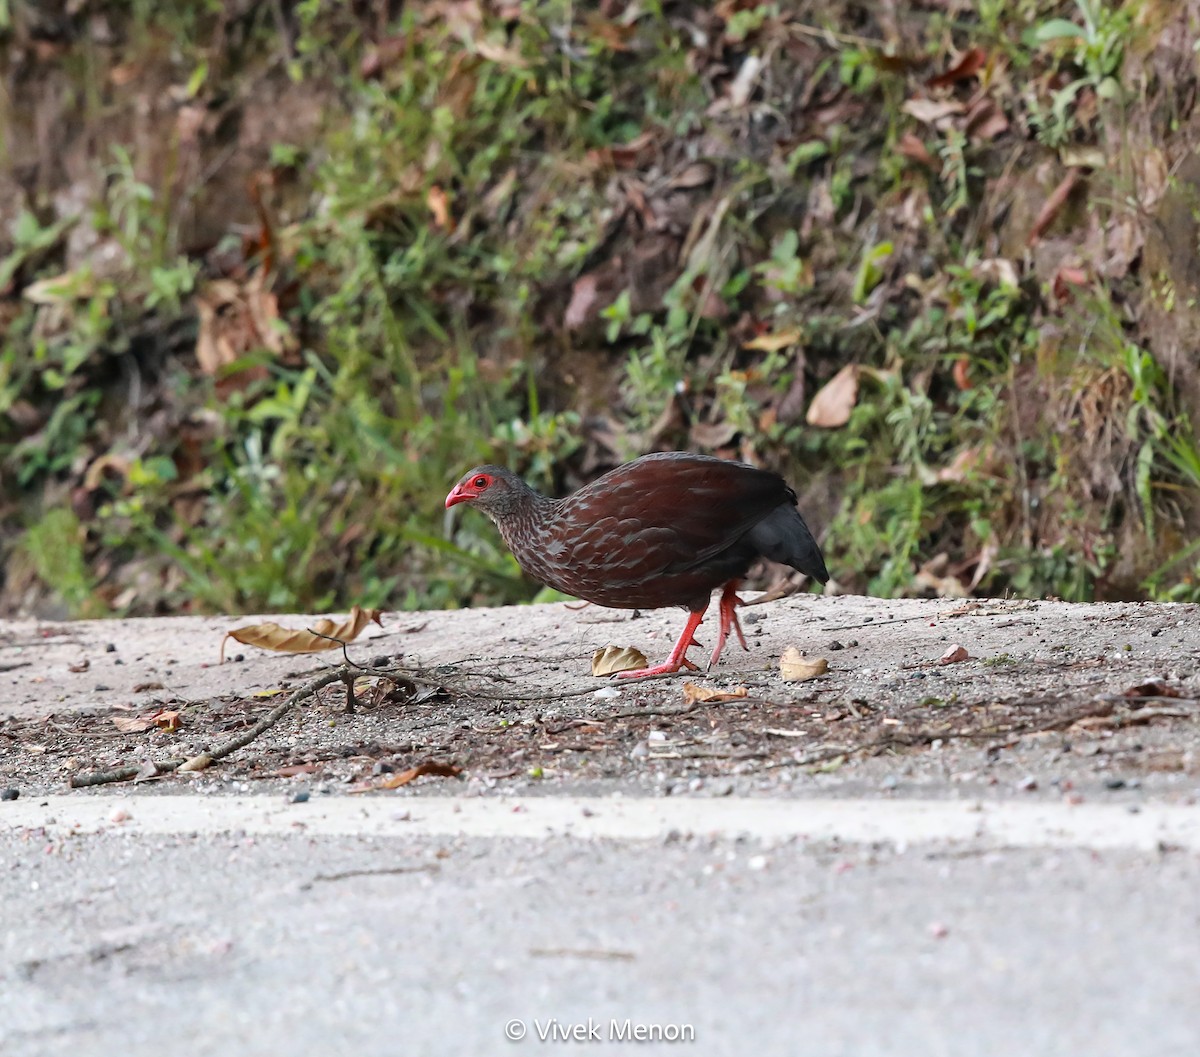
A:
x: 667, y: 515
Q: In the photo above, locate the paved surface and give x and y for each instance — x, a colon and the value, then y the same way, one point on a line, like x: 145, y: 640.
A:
x: 342, y: 945
x: 997, y: 856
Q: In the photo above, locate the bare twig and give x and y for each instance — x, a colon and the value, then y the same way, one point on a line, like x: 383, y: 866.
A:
x: 219, y: 752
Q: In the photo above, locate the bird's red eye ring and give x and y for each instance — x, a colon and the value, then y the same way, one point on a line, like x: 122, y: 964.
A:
x: 480, y: 482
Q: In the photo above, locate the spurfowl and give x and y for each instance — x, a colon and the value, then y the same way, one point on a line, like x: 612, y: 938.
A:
x: 664, y: 530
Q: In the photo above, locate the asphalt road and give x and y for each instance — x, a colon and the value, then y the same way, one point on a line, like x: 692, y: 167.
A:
x: 131, y: 943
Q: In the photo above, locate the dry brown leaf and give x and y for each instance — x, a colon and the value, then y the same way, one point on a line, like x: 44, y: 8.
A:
x: 794, y: 667
x: 325, y: 634
x: 167, y: 720
x: 781, y: 339
x: 931, y: 111
x: 697, y: 174
x: 831, y: 407
x: 913, y: 147
x: 712, y: 435
x: 379, y: 57
x: 1053, y: 206
x: 954, y: 654
x: 439, y: 206
x: 584, y: 297
x: 294, y: 769
x: 613, y: 659
x: 972, y: 61
x: 963, y: 464
x: 635, y: 154
x: 437, y: 768
x: 742, y: 86
x: 613, y: 35
x: 985, y: 121
x: 133, y: 724
x: 236, y: 320
x: 500, y: 54
x: 693, y: 694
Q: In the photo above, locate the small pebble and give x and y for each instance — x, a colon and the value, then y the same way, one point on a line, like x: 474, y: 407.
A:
x: 606, y: 693
x: 1028, y: 785
x: 938, y: 930
x: 239, y: 657
x: 756, y: 862
x: 101, y: 687
x: 111, y: 648
x: 890, y: 781
x: 835, y: 645
x: 9, y: 794
x: 301, y: 797
x: 1114, y: 783
x: 382, y: 660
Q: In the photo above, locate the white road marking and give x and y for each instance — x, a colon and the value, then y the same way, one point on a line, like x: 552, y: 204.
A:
x: 978, y: 825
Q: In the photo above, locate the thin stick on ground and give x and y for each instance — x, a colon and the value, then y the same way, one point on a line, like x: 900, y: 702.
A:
x: 219, y: 752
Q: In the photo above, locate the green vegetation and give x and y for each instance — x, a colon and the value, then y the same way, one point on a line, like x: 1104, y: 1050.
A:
x: 333, y: 260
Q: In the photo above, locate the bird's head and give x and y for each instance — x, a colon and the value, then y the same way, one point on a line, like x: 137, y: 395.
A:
x: 492, y: 489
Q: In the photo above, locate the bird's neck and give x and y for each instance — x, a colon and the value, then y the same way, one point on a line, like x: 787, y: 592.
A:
x: 524, y: 529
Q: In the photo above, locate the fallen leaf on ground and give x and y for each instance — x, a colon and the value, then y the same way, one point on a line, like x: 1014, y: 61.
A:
x: 693, y: 693
x: 831, y: 407
x: 439, y: 206
x: 325, y: 634
x: 954, y: 654
x: 434, y: 767
x: 794, y: 667
x: 167, y: 720
x: 293, y: 769
x: 913, y: 148
x: 773, y: 342
x: 614, y: 659
x: 132, y: 724
x: 1053, y: 206
x: 971, y: 62
x: 931, y: 111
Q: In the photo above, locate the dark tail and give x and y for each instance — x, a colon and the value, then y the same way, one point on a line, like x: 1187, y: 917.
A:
x: 783, y: 537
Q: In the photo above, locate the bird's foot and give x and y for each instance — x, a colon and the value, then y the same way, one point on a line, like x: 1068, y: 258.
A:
x: 666, y: 668
x: 728, y: 619
x: 677, y: 661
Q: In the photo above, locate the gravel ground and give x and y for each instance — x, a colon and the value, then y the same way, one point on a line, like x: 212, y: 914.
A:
x: 1040, y: 708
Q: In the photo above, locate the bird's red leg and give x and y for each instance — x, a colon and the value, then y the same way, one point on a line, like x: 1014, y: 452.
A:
x: 678, y: 658
x: 729, y: 619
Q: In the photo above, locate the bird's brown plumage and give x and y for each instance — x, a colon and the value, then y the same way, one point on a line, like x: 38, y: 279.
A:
x: 663, y: 530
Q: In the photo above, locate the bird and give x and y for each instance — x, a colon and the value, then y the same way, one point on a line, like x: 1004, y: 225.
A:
x: 666, y: 529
